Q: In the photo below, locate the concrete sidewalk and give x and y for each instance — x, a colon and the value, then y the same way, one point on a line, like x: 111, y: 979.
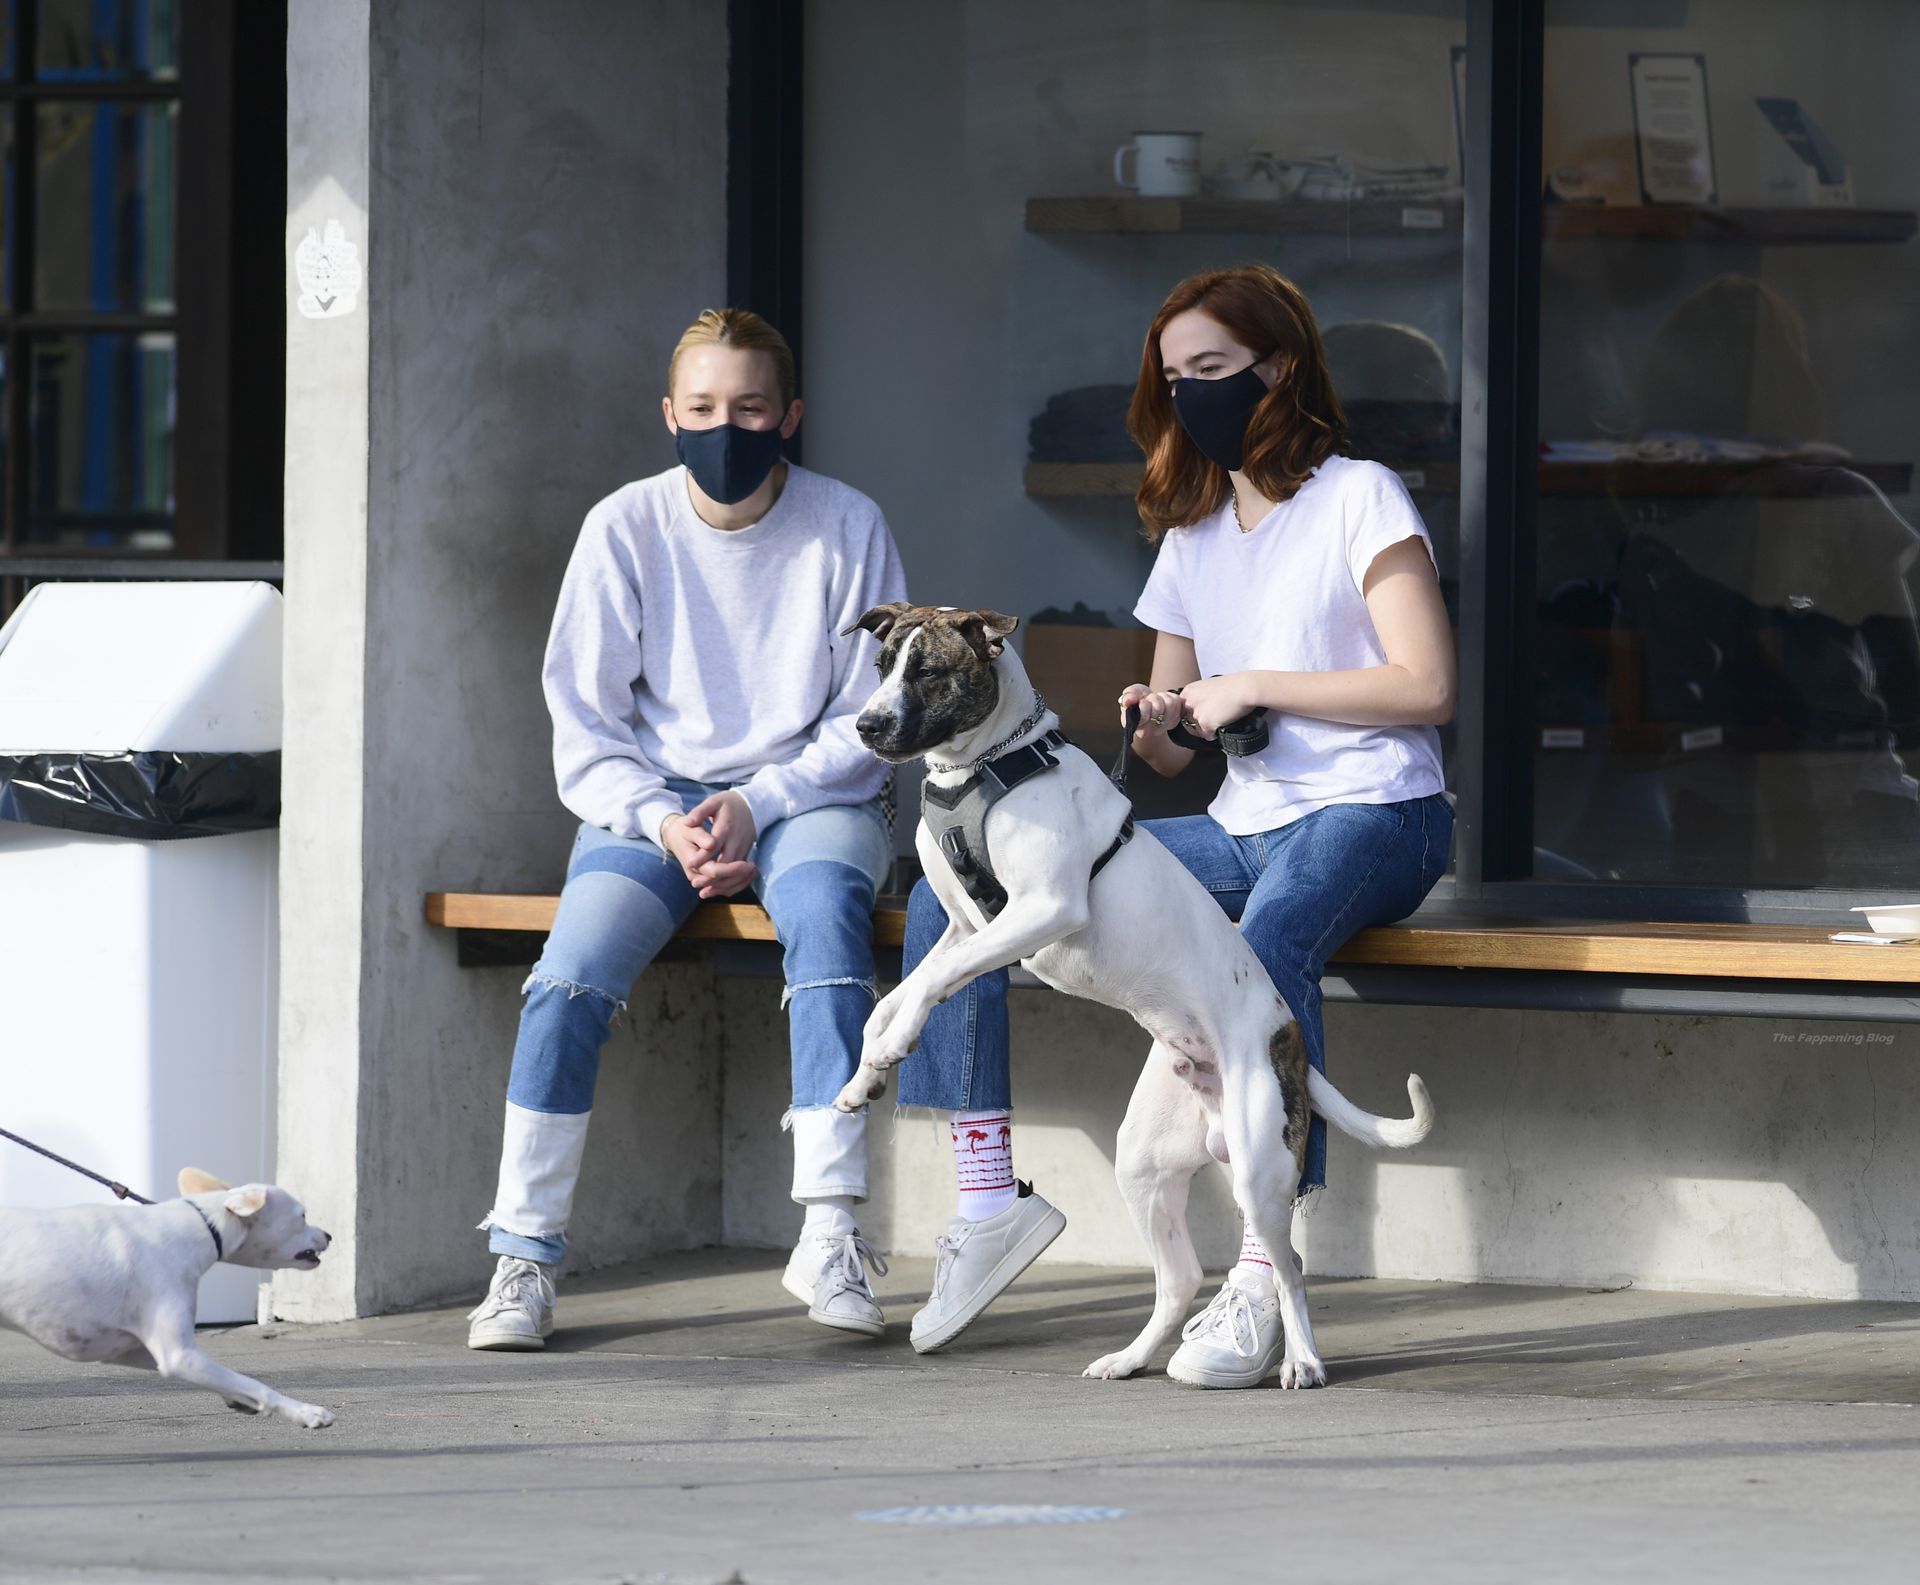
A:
x: 691, y: 1425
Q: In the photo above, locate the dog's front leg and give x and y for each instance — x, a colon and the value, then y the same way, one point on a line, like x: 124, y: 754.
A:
x: 1023, y: 927
x: 887, y: 1008
x: 180, y: 1357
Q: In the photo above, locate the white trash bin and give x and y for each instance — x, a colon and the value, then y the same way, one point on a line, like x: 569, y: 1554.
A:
x: 138, y: 971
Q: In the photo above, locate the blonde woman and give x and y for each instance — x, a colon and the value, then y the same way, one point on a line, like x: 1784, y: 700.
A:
x: 703, y: 701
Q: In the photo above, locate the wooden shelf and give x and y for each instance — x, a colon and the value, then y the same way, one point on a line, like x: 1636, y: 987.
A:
x: 1641, y: 479
x: 1082, y: 478
x: 1123, y: 478
x: 1654, y: 737
x: 1121, y: 215
x: 1784, y: 479
x: 1690, y: 223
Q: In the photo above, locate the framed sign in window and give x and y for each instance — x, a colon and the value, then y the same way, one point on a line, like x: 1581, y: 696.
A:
x: 1672, y: 136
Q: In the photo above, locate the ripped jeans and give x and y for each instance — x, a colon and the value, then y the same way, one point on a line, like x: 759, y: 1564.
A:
x: 623, y: 901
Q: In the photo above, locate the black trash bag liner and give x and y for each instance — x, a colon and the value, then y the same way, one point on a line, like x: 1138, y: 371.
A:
x: 153, y: 796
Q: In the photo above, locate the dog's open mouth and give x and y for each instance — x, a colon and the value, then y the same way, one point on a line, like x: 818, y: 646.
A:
x: 309, y: 1258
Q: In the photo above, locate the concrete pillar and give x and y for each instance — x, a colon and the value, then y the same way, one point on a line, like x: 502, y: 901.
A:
x: 536, y: 199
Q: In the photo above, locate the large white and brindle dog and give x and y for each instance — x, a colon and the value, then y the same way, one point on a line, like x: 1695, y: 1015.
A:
x: 1227, y: 1078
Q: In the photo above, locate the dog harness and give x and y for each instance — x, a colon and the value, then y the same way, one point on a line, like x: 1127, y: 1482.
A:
x: 957, y: 816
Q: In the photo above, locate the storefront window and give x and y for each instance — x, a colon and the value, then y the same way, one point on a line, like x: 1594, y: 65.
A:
x: 978, y: 284
x: 1727, y: 685
x: 88, y: 315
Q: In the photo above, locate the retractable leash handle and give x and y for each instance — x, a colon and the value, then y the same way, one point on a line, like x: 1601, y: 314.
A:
x: 1237, y: 739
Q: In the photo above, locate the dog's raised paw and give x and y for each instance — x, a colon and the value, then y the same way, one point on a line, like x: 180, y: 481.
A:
x: 1112, y: 1367
x: 312, y: 1416
x: 1303, y: 1373
x: 858, y: 1091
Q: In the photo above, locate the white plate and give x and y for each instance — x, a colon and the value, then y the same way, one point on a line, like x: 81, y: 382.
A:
x: 1892, y: 919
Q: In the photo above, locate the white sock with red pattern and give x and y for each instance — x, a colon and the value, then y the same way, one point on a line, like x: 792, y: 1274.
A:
x: 983, y: 1162
x: 1254, y: 1260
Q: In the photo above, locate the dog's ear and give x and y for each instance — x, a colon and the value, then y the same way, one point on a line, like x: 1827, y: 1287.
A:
x: 879, y: 621
x: 194, y: 1181
x: 987, y: 631
x: 246, y: 1202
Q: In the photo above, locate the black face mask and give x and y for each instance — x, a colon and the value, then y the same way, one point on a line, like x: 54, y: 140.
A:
x: 1216, y: 412
x: 726, y: 461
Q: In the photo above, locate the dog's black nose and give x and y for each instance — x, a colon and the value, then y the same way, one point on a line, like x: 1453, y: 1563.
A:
x: 872, y: 723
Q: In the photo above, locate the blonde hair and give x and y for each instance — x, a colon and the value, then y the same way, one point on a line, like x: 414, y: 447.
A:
x: 742, y: 328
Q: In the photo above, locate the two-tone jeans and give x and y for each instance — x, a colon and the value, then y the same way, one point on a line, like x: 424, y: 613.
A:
x: 623, y: 900
x: 1298, y: 892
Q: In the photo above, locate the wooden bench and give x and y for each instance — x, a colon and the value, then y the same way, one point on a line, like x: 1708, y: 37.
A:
x: 1449, y: 959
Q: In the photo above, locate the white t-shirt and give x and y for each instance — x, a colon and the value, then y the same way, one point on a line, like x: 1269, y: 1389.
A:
x: 1286, y: 597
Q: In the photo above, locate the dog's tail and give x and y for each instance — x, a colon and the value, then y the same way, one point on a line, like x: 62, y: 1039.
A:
x: 1394, y: 1133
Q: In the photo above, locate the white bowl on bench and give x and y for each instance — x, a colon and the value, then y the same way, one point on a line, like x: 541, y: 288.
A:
x: 1892, y: 919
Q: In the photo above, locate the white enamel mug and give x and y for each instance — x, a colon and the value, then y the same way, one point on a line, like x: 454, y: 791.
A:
x: 1166, y: 164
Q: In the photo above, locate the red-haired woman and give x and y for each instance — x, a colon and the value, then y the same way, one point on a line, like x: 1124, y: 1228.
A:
x: 1289, y: 577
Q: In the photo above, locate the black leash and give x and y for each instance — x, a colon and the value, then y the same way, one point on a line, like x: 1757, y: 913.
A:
x: 119, y: 1189
x: 1236, y: 739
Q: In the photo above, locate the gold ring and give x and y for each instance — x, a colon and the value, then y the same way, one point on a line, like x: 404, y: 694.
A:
x: 1158, y: 720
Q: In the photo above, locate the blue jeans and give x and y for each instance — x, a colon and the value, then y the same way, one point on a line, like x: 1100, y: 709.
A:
x: 623, y: 901
x: 1298, y: 891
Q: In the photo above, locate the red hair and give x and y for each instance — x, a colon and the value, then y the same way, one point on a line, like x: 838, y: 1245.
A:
x: 1296, y: 427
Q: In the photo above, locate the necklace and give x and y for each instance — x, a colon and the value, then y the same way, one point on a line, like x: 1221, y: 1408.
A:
x: 1026, y: 726
x: 1240, y: 522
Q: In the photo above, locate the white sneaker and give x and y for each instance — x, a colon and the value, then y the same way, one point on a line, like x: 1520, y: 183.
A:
x: 828, y: 1273
x: 975, y: 1261
x: 517, y: 1312
x: 1237, y: 1340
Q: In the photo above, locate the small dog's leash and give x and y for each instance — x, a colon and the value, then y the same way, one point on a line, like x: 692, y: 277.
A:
x: 119, y: 1189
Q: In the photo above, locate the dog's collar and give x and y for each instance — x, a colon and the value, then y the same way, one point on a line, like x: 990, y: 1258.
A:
x: 219, y: 1249
x: 1026, y: 726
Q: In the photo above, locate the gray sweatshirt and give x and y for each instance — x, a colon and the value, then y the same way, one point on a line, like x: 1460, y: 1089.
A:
x: 688, y: 651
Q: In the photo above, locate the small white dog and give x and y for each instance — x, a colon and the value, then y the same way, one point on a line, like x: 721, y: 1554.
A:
x: 117, y: 1283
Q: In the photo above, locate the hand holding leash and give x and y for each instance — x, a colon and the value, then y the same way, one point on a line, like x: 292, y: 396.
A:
x: 1237, y: 739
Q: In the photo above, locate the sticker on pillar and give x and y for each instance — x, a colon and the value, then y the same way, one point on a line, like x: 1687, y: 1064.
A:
x: 329, y: 272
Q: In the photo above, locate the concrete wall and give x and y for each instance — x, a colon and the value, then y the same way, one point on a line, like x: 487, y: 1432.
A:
x: 538, y: 197
x: 1730, y: 1154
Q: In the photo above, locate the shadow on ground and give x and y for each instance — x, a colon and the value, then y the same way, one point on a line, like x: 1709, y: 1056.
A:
x: 1405, y: 1336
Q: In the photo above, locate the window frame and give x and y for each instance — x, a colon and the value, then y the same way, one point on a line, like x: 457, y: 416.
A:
x: 201, y: 321
x: 1499, y: 472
